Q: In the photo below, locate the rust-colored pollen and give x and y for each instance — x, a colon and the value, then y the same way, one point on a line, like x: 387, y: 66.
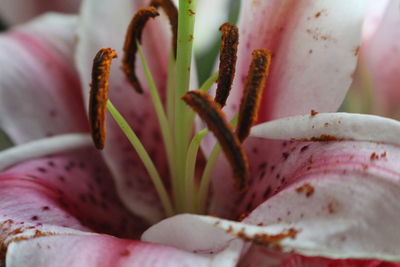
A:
x: 227, y: 61
x: 210, y: 112
x: 266, y: 239
x: 134, y: 35
x: 99, y: 95
x: 258, y: 73
x: 172, y: 12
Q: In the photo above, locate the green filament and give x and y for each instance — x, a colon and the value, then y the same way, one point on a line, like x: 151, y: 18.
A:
x: 161, y: 116
x: 144, y: 156
x: 205, y: 179
x: 191, y: 167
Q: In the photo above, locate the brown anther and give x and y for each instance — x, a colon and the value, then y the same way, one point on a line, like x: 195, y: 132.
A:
x: 99, y: 95
x: 172, y: 12
x: 227, y: 61
x: 258, y: 73
x: 134, y: 35
x: 210, y: 112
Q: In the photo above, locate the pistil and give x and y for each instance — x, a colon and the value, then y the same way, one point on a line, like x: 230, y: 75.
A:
x: 182, y: 133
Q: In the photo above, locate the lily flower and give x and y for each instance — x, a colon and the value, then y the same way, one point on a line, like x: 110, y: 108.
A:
x: 291, y: 191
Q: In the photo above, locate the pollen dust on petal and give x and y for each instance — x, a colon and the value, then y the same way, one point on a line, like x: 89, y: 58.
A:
x: 268, y: 239
x: 125, y: 252
x: 307, y: 189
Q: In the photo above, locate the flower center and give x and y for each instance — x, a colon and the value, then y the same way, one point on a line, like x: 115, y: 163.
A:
x: 176, y: 120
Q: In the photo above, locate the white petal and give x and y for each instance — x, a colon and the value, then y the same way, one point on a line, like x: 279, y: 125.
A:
x: 314, y: 46
x: 190, y: 233
x: 43, y: 147
x: 331, y: 126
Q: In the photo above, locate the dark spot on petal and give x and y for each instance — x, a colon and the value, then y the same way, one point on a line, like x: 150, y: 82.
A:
x: 304, y: 148
x: 51, y: 163
x: 262, y: 166
x: 41, y: 169
x: 83, y: 198
x: 267, y: 192
x: 125, y: 253
x: 262, y: 174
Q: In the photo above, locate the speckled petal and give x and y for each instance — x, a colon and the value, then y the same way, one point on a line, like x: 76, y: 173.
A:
x: 331, y: 126
x: 314, y: 46
x: 338, y: 195
x: 39, y: 89
x: 331, y: 199
x: 73, y: 190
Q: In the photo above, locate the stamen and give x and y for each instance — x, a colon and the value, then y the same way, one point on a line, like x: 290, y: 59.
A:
x: 172, y: 12
x: 258, y: 72
x: 99, y: 95
x: 133, y: 35
x: 227, y: 61
x: 210, y: 112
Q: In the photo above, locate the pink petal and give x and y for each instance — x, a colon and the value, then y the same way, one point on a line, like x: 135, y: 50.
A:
x: 73, y: 190
x: 262, y: 256
x: 314, y: 46
x: 18, y: 11
x: 339, y: 198
x: 39, y: 90
x: 374, y: 16
x: 380, y: 54
x: 104, y: 24
x: 97, y: 250
x: 265, y: 156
